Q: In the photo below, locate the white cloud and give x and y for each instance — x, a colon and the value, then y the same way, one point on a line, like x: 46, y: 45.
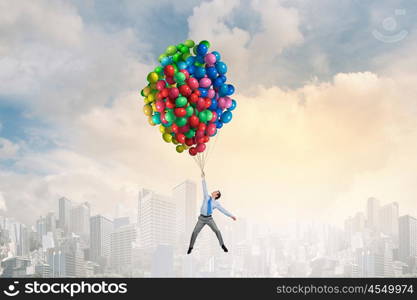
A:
x: 8, y: 149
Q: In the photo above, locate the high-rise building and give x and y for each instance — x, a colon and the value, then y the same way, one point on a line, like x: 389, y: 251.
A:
x: 21, y: 234
x: 163, y: 261
x: 100, y: 232
x: 45, y: 224
x: 15, y: 266
x: 372, y: 213
x: 64, y: 210
x: 156, y: 219
x: 67, y: 260
x: 120, y: 221
x: 388, y: 220
x: 122, y: 240
x: 80, y: 220
x: 185, y: 199
x: 407, y: 251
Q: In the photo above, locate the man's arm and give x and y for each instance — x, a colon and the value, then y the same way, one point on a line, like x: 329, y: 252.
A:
x: 225, y: 211
x: 205, y: 193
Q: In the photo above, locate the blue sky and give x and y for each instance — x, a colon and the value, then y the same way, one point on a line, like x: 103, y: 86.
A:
x: 70, y: 72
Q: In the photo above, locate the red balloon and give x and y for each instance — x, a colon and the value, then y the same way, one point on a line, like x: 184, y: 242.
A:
x: 185, y: 72
x: 160, y: 85
x: 201, y: 147
x: 189, y: 142
x: 202, y: 126
x: 211, y: 129
x: 197, y: 92
x: 208, y: 102
x: 199, y: 134
x: 206, y: 139
x: 193, y: 151
x: 184, y: 129
x: 159, y: 96
x: 193, y: 98
x: 170, y: 79
x: 192, y: 83
x: 201, y: 140
x: 185, y: 90
x: 170, y: 104
x: 162, y: 117
x: 180, y: 137
x: 175, y: 128
x: 201, y: 104
x: 180, y: 112
x: 194, y: 121
x: 173, y: 93
x: 169, y: 70
x: 214, y: 118
x: 160, y: 105
x: 164, y: 93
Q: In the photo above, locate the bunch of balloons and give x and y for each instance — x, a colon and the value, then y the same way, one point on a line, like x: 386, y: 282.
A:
x: 188, y: 97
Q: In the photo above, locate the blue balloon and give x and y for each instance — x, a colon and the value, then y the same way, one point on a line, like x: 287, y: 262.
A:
x: 219, y: 124
x: 217, y: 82
x: 156, y: 119
x: 181, y: 65
x: 211, y: 72
x: 199, y: 72
x: 202, y: 49
x: 191, y: 69
x: 199, y: 59
x: 226, y: 116
x: 219, y: 112
x: 203, y: 92
x: 223, y: 78
x: 230, y: 89
x: 233, y: 106
x: 213, y: 105
x: 190, y: 60
x: 217, y: 55
x: 224, y: 89
x: 221, y: 67
x: 165, y: 61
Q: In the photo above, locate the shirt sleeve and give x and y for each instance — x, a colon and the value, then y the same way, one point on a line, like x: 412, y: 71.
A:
x: 223, y: 210
x: 205, y: 193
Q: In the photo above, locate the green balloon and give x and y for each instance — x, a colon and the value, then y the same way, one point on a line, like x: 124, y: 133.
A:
x: 159, y: 70
x: 181, y: 121
x: 189, y: 43
x: 171, y: 50
x: 195, y: 50
x: 181, y: 101
x: 199, y: 64
x: 180, y: 45
x: 189, y: 110
x: 163, y: 55
x: 185, y: 56
x: 176, y: 57
x: 202, y: 116
x: 209, y: 115
x: 207, y: 43
x: 179, y: 77
x: 184, y: 49
x: 190, y: 133
x: 170, y: 117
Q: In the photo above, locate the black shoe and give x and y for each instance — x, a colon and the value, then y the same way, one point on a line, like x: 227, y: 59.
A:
x: 224, y: 248
x: 189, y: 250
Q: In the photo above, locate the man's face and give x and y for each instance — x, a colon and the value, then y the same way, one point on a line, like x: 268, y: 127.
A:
x: 215, y: 195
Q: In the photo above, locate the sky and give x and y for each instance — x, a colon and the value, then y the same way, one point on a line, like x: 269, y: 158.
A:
x: 326, y: 95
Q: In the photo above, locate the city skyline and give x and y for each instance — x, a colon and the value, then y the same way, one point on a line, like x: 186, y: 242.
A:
x: 376, y: 241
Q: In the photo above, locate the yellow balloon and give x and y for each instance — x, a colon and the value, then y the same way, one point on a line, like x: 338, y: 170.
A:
x: 162, y: 128
x: 146, y: 91
x: 153, y: 86
x: 153, y: 77
x: 185, y: 147
x: 168, y: 129
x: 151, y: 97
x: 150, y: 121
x: 147, y: 110
x: 174, y: 141
x: 167, y: 137
x: 180, y: 148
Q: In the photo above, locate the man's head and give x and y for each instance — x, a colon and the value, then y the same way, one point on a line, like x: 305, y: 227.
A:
x: 216, y: 195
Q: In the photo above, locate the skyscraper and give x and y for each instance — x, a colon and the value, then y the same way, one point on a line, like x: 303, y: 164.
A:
x: 185, y: 199
x: 372, y: 211
x: 80, y: 220
x: 64, y: 208
x: 122, y: 240
x: 100, y: 232
x: 388, y: 220
x: 156, y: 219
x: 407, y: 251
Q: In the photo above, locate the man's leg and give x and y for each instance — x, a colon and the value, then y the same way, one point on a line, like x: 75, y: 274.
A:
x: 216, y: 230
x: 200, y: 224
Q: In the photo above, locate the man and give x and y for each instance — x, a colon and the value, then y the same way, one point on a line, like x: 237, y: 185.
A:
x: 209, y: 204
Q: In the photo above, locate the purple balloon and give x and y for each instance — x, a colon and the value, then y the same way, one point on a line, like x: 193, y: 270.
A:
x: 210, y: 59
x: 205, y: 82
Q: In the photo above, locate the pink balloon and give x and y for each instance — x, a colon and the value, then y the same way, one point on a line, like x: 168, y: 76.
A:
x: 214, y: 118
x: 192, y: 83
x: 221, y: 103
x: 201, y: 147
x: 205, y: 82
x: 228, y: 102
x: 210, y: 59
x: 199, y: 134
x: 160, y: 105
x: 160, y: 85
x: 184, y: 129
x: 211, y: 129
x: 201, y: 104
x: 211, y: 93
